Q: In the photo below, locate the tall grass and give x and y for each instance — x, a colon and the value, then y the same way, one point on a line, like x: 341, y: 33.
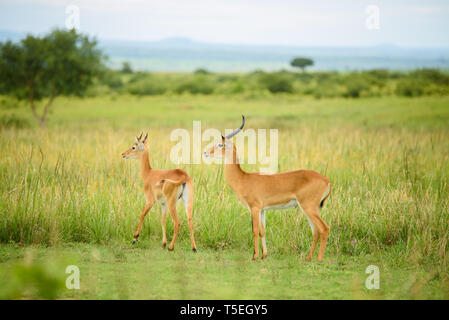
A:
x: 389, y: 190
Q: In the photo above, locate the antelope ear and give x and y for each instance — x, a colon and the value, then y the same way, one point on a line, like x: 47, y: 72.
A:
x: 140, y: 145
x: 137, y: 140
x: 222, y: 138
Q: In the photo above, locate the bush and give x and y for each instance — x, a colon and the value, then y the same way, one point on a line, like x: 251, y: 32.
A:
x: 12, y: 121
x: 146, y: 86
x: 201, y: 71
x: 137, y: 76
x: 324, y: 84
x: 325, y: 90
x: 126, y: 67
x: 197, y: 86
x: 7, y: 102
x: 431, y: 76
x: 380, y: 74
x: 112, y: 80
x: 355, y: 86
x: 276, y: 83
x: 410, y: 87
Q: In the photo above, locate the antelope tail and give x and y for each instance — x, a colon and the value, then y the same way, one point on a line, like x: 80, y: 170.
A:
x: 174, y: 182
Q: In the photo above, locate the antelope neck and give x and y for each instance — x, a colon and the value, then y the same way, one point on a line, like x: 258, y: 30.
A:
x: 233, y: 171
x: 145, y: 166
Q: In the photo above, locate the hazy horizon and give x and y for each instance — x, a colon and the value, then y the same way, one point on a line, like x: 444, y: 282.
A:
x: 231, y: 35
x: 399, y: 23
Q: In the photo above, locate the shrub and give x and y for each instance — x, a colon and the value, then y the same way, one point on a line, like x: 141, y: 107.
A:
x: 325, y: 90
x: 355, y: 86
x: 126, y: 67
x: 379, y: 74
x: 112, y: 80
x: 137, y: 76
x: 7, y: 102
x: 201, y: 71
x: 12, y: 121
x: 146, y: 86
x: 410, y: 87
x: 431, y: 76
x: 276, y: 83
x: 196, y: 86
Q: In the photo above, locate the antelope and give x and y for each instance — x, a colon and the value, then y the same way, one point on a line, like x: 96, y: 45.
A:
x: 165, y: 186
x: 305, y: 189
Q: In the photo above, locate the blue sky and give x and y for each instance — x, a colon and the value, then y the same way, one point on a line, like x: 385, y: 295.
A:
x: 284, y: 22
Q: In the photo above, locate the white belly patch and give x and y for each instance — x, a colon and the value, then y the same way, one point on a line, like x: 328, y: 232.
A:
x: 291, y: 204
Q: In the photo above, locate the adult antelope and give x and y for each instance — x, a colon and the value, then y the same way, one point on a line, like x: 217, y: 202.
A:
x: 164, y: 186
x: 261, y: 192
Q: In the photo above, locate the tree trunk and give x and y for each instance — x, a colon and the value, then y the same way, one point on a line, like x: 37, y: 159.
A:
x: 42, y: 119
x: 33, y: 107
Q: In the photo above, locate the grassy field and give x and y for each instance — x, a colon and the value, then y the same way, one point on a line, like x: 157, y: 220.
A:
x: 66, y: 195
x: 145, y: 271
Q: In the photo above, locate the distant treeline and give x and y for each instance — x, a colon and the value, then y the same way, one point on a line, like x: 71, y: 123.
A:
x: 316, y: 84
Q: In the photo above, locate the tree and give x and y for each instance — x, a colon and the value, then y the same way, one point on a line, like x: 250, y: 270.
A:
x: 201, y: 71
x: 126, y: 67
x: 301, y: 63
x: 60, y: 63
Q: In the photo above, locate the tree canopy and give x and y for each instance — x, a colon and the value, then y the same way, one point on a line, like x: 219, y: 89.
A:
x: 60, y: 63
x: 301, y: 63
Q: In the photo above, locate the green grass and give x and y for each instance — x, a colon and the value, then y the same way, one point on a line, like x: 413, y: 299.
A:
x: 270, y: 111
x: 387, y: 159
x: 146, y: 271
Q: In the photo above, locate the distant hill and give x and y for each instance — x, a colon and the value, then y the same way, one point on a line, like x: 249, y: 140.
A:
x: 179, y: 54
x: 184, y: 54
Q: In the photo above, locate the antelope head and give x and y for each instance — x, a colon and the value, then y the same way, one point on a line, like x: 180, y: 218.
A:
x: 218, y: 150
x: 137, y: 148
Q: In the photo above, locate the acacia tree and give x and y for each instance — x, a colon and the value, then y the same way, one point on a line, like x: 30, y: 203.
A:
x: 60, y: 63
x: 301, y: 63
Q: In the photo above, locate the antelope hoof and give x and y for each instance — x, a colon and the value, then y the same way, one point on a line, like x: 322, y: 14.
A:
x: 134, y: 241
x: 309, y: 258
x: 171, y: 248
x: 194, y: 250
x: 264, y: 256
x: 164, y: 245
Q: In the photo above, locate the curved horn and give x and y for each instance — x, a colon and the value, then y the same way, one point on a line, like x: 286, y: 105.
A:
x: 140, y: 137
x: 229, y: 136
x: 145, y: 139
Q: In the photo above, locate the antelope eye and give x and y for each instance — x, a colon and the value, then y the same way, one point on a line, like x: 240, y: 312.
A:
x: 134, y: 147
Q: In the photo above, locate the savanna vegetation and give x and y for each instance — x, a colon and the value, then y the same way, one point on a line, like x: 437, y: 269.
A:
x: 382, y: 137
x: 375, y: 83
